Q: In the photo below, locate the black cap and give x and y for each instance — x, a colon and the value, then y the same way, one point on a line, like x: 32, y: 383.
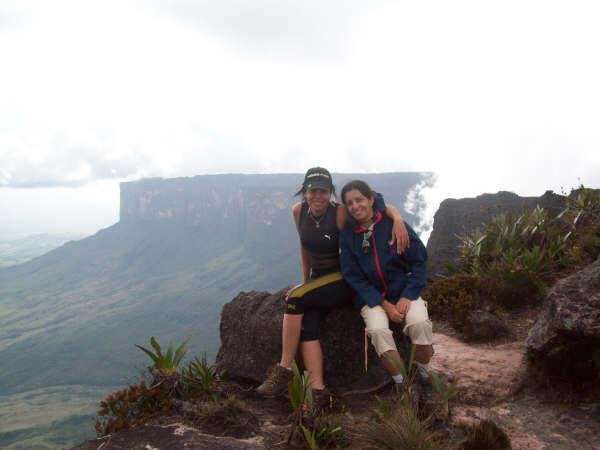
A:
x: 317, y: 178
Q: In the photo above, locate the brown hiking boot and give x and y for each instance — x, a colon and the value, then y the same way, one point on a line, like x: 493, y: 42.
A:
x: 276, y: 382
x: 322, y: 399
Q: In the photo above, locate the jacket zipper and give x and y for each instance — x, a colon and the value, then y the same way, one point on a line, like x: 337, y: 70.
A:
x: 378, y: 266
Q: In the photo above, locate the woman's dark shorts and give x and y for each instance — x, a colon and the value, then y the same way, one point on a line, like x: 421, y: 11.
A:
x: 315, y: 299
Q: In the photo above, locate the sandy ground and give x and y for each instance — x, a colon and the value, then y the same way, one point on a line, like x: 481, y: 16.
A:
x: 490, y: 378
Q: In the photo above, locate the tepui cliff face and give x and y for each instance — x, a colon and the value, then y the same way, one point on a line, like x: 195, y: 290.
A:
x: 244, y: 200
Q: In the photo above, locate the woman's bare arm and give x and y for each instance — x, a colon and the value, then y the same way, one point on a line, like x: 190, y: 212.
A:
x: 304, y: 256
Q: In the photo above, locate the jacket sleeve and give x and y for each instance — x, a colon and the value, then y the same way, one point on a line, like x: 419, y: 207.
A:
x: 379, y: 204
x: 415, y: 258
x: 354, y: 275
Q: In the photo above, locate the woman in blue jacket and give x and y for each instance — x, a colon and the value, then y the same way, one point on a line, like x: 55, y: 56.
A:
x: 388, y: 285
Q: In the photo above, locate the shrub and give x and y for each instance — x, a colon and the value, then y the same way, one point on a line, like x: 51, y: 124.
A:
x: 324, y: 432
x: 166, y: 364
x: 129, y: 407
x: 401, y: 430
x: 486, y: 435
x: 514, y: 258
x: 200, y: 376
x: 588, y: 243
x: 453, y: 297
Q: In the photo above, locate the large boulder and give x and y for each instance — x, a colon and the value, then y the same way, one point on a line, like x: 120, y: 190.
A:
x: 564, y: 343
x: 251, y: 342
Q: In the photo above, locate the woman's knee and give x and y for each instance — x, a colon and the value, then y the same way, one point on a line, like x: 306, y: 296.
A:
x: 382, y: 340
x: 423, y: 353
x: 420, y: 333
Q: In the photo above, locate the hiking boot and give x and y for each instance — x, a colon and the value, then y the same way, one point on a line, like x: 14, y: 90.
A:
x: 322, y: 399
x: 276, y: 382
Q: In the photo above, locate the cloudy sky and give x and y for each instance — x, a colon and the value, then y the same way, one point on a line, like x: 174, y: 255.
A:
x: 488, y: 95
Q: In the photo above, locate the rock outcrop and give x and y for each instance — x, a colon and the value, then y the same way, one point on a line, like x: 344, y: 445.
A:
x: 564, y: 343
x: 175, y: 436
x: 251, y: 342
x: 459, y: 216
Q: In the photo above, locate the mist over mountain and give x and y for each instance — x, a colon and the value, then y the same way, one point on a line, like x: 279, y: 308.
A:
x: 17, y: 249
x: 181, y: 248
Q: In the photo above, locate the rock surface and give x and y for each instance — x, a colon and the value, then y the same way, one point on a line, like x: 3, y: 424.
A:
x: 489, y: 379
x: 459, y: 216
x: 167, y: 437
x: 251, y: 342
x: 490, y: 382
x: 565, y: 340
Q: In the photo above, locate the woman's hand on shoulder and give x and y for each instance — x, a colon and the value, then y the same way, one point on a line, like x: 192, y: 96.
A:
x: 399, y: 235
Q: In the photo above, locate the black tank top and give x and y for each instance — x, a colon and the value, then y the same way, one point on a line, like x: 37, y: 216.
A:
x: 320, y: 237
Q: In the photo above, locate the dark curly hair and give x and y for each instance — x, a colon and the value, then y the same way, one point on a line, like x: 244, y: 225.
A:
x: 361, y: 186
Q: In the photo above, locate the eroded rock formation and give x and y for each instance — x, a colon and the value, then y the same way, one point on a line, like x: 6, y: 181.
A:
x: 251, y: 342
x: 564, y: 343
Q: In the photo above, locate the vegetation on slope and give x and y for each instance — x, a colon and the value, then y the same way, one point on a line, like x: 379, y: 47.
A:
x: 512, y: 260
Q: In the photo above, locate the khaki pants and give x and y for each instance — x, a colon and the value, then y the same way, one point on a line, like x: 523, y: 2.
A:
x: 417, y: 326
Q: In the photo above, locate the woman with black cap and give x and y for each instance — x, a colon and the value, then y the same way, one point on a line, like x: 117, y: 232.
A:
x: 318, y: 221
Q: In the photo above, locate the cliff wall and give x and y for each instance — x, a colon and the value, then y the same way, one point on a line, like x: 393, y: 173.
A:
x: 241, y: 203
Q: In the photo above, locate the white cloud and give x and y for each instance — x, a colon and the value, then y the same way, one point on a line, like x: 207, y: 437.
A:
x: 487, y: 96
x: 274, y: 29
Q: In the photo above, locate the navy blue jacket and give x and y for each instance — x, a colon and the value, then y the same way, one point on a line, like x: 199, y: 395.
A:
x: 380, y: 272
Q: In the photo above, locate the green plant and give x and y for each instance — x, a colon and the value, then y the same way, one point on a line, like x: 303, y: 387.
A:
x: 383, y: 408
x: 201, y: 376
x: 299, y: 391
x: 446, y: 392
x: 453, y: 297
x: 301, y: 399
x: 583, y: 208
x: 129, y: 407
x: 514, y: 257
x: 323, y: 434
x: 165, y: 363
x: 402, y: 430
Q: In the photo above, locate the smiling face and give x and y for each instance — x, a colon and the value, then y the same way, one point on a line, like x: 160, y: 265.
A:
x: 359, y: 206
x: 318, y: 200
